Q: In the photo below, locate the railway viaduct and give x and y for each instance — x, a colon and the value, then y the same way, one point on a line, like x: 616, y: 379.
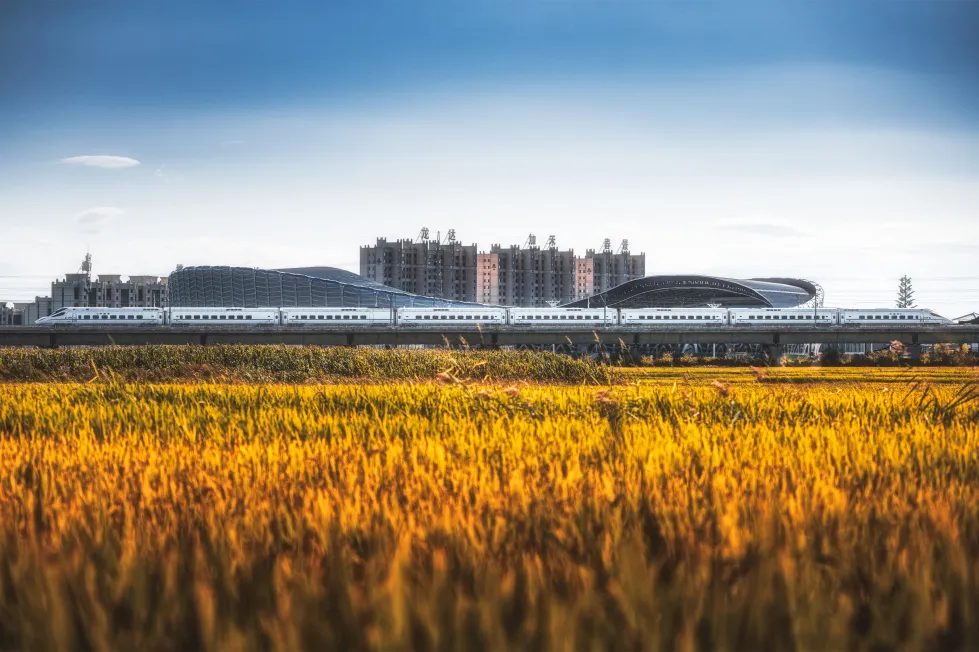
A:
x: 771, y: 339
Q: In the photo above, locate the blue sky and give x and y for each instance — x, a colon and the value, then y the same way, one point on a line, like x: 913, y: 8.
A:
x: 833, y: 141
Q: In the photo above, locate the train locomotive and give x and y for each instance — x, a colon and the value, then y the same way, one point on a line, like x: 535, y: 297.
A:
x: 484, y: 316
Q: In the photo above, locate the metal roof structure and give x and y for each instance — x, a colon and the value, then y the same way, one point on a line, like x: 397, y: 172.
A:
x: 691, y: 291
x: 300, y: 287
x: 244, y: 287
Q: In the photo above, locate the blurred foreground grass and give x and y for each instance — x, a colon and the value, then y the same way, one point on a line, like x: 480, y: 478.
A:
x: 682, y: 515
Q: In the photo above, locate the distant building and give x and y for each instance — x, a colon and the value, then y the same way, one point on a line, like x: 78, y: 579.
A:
x: 6, y: 314
x: 615, y: 268
x: 31, y: 312
x: 584, y: 278
x: 528, y: 275
x: 315, y: 287
x: 531, y: 276
x: 427, y: 267
x: 488, y: 279
x: 107, y: 291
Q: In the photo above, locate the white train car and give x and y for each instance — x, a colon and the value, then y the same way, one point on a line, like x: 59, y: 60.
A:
x: 564, y: 317
x: 665, y: 317
x: 451, y: 317
x: 337, y: 317
x: 889, y: 317
x: 105, y: 317
x: 784, y: 317
x: 181, y: 316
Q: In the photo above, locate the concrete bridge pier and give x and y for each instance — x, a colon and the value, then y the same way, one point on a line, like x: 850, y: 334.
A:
x: 773, y: 352
x: 914, y: 350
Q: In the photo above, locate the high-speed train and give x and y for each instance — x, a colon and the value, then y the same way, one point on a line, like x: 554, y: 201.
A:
x: 461, y: 317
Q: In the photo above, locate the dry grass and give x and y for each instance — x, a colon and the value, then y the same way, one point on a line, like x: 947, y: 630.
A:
x: 293, y: 364
x: 732, y: 515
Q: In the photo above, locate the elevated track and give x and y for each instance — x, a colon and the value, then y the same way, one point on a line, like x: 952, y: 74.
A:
x: 771, y: 338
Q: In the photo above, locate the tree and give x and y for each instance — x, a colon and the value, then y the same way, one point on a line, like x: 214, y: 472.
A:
x: 905, y: 293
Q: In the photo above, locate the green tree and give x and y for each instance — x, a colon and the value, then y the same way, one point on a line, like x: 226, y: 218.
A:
x: 905, y: 293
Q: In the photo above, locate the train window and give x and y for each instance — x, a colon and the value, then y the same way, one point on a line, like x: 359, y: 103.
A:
x: 223, y: 316
x: 248, y: 316
x: 363, y: 316
x: 86, y: 317
x: 130, y: 317
x: 346, y: 316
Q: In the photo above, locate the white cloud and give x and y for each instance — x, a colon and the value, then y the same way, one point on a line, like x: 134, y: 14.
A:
x: 92, y: 220
x: 102, y: 161
x: 773, y: 228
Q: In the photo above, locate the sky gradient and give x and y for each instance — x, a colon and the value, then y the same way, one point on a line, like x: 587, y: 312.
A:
x: 832, y: 141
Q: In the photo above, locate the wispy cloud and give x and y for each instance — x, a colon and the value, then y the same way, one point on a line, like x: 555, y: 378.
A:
x: 102, y: 161
x: 761, y: 227
x: 92, y: 220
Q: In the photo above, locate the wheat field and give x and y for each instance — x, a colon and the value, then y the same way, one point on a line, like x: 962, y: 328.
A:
x: 696, y: 511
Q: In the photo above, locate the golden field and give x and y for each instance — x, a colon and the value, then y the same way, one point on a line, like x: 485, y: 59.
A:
x: 680, y: 509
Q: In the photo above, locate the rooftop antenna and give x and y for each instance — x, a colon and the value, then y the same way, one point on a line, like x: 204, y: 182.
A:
x: 86, y: 267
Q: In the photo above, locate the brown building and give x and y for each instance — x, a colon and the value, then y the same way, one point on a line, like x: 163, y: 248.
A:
x: 525, y: 276
x: 531, y: 276
x: 584, y: 278
x: 488, y: 279
x: 108, y: 291
x: 615, y: 268
x: 431, y: 268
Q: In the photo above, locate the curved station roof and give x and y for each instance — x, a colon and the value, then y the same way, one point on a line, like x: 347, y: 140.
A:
x: 305, y: 287
x: 244, y: 287
x: 693, y: 291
